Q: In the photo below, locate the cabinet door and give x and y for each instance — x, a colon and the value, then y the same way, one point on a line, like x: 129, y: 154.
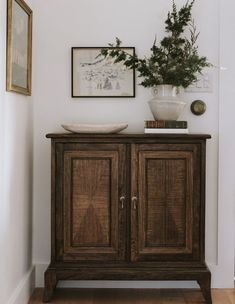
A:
x: 166, y: 202
x: 89, y: 213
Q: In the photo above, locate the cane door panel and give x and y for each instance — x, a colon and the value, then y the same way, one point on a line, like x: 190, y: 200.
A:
x: 166, y: 225
x: 93, y: 218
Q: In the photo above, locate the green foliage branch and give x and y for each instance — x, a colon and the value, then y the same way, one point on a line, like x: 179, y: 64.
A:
x: 175, y: 61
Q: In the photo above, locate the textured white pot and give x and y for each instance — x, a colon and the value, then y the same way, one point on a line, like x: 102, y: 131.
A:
x: 167, y: 103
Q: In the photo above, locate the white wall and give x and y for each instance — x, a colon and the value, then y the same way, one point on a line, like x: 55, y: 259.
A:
x: 63, y: 24
x: 15, y: 186
x: 226, y: 208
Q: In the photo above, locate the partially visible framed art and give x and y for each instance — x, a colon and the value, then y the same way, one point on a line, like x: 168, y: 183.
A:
x: 19, y: 47
x: 94, y: 76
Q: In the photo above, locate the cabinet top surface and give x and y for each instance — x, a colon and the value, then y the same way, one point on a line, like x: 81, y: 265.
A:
x: 126, y: 136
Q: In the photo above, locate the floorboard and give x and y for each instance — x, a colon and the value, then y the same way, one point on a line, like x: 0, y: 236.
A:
x: 134, y: 296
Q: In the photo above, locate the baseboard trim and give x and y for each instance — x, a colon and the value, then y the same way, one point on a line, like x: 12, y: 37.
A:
x: 24, y: 289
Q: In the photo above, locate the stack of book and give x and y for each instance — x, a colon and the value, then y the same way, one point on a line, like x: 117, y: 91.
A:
x: 166, y: 126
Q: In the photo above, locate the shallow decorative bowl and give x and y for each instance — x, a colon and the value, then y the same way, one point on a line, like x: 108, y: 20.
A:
x: 95, y: 128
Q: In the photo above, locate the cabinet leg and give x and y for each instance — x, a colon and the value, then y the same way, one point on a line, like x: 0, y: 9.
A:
x: 205, y: 284
x: 50, y: 285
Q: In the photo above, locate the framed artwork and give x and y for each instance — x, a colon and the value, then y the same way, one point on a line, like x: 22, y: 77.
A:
x: 19, y: 47
x: 94, y: 76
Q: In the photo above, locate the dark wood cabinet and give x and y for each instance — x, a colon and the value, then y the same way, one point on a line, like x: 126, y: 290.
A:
x: 128, y: 207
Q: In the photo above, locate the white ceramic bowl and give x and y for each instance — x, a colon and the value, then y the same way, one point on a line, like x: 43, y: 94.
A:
x: 166, y: 109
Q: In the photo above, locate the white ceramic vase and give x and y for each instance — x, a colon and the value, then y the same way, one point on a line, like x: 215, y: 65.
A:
x: 167, y: 103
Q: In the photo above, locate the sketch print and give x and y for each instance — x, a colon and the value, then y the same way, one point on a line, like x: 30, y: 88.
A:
x: 98, y: 76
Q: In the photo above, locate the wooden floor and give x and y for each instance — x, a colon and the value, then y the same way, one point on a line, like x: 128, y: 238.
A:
x: 134, y: 296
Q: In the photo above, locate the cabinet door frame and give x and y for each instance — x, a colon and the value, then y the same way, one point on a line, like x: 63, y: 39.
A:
x: 193, y: 246
x: 64, y: 251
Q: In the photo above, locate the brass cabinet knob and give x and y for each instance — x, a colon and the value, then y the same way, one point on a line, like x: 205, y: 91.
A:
x: 122, y: 200
x: 134, y: 202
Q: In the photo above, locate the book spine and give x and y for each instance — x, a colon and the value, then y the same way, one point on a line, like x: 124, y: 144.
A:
x: 172, y: 124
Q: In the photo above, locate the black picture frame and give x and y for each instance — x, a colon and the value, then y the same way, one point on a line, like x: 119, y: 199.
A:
x: 97, y: 77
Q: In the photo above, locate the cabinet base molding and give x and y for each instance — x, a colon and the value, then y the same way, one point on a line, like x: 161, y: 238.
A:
x: 56, y: 273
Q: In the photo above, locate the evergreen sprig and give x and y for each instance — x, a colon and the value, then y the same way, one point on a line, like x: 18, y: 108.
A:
x: 175, y: 60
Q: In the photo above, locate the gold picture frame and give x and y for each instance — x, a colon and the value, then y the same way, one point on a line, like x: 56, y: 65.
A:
x: 19, y: 47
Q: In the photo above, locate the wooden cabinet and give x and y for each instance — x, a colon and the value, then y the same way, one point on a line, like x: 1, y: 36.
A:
x: 128, y: 207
